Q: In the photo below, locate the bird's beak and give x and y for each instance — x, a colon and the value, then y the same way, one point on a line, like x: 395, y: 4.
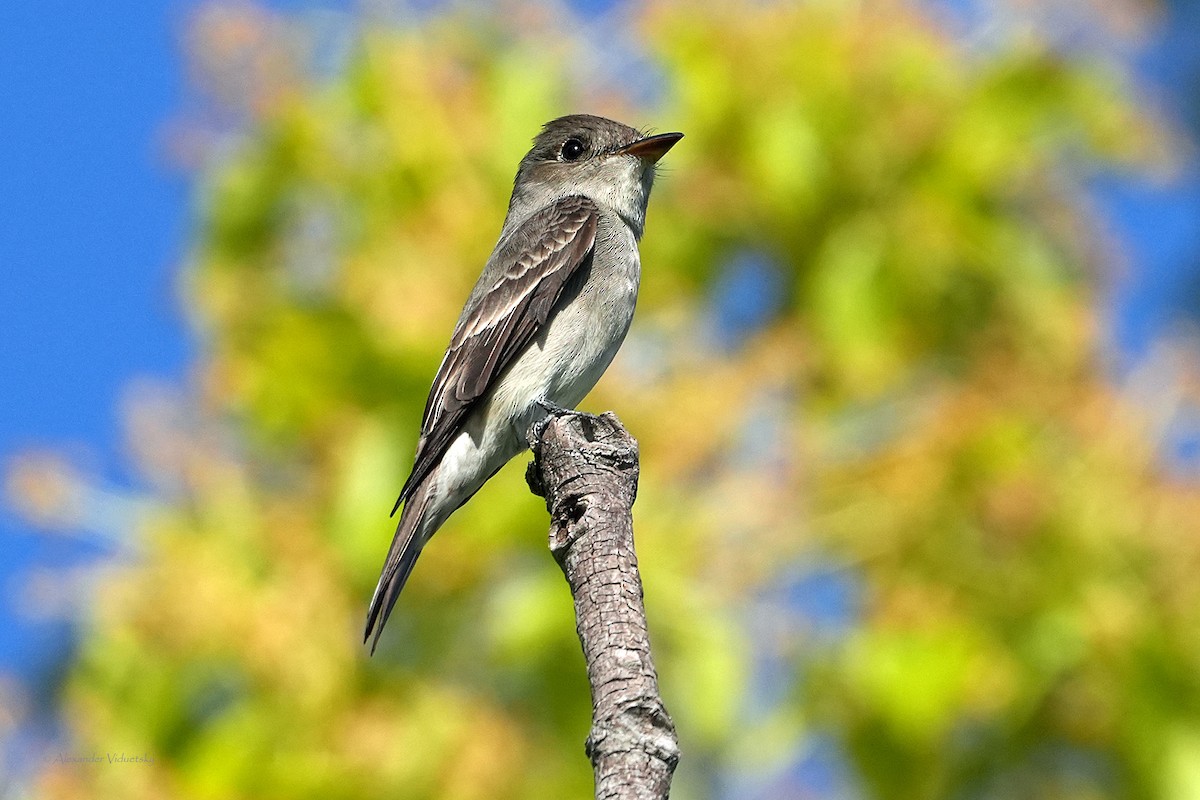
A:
x: 652, y: 148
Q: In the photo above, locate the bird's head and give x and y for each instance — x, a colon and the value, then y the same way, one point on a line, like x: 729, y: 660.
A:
x: 606, y: 161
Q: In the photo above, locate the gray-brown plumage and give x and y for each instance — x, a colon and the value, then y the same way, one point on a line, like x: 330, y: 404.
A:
x: 501, y: 319
x: 545, y: 319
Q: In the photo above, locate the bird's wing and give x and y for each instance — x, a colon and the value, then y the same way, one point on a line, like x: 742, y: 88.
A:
x: 535, y: 262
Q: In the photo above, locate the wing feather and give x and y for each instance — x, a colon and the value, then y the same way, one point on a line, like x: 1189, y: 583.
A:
x: 501, y: 319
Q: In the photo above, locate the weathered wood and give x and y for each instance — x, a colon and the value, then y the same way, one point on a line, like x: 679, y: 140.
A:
x: 587, y: 469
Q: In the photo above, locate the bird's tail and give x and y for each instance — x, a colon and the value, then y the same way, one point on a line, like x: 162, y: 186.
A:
x: 401, y: 558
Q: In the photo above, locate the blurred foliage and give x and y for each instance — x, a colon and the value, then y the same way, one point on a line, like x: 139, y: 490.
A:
x: 923, y: 405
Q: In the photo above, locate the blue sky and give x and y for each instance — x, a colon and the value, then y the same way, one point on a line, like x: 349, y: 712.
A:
x: 1159, y: 223
x: 93, y: 227
x: 94, y: 222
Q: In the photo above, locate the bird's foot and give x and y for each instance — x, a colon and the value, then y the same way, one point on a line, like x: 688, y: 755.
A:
x: 552, y: 410
x: 555, y: 410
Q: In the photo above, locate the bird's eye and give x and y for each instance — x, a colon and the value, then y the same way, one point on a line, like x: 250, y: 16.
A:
x: 573, y: 149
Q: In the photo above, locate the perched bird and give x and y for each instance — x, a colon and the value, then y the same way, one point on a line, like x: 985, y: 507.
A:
x: 544, y: 320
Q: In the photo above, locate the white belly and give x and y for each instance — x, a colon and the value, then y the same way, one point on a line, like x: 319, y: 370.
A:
x: 561, y: 366
x: 583, y: 336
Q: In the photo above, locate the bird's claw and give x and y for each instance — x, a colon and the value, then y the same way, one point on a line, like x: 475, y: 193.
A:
x: 552, y: 410
x: 555, y: 410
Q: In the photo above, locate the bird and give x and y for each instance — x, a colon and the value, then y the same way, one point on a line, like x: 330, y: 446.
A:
x: 550, y: 309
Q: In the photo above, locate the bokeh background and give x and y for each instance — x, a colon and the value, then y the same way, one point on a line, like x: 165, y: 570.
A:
x: 914, y: 376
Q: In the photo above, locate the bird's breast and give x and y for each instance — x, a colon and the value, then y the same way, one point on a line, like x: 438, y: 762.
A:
x: 584, y: 330
x: 589, y: 328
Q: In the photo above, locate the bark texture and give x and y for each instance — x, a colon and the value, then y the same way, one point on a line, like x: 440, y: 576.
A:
x: 586, y: 468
